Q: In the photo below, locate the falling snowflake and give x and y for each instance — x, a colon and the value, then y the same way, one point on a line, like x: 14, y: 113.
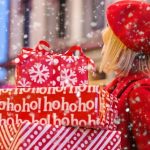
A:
x: 24, y: 83
x: 39, y: 73
x: 148, y: 8
x: 83, y: 82
x: 130, y: 14
x: 50, y: 60
x: 82, y: 69
x: 70, y: 59
x: 68, y: 77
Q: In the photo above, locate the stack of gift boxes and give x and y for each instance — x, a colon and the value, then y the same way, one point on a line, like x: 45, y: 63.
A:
x: 53, y: 107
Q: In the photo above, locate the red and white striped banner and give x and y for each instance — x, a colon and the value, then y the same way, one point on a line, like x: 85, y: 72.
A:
x: 49, y: 137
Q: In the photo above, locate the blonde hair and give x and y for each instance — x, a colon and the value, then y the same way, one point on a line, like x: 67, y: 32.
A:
x: 115, y: 56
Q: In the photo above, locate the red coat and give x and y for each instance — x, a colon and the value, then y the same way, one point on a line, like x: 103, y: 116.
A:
x: 133, y: 92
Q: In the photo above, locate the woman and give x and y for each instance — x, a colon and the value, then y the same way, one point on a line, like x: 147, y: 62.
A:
x: 127, y: 52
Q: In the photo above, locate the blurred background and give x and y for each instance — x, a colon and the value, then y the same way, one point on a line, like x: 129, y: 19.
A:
x: 62, y: 23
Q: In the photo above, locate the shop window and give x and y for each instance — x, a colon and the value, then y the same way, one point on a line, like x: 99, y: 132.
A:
x: 98, y: 14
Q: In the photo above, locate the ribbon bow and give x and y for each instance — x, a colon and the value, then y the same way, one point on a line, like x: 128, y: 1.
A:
x: 42, y: 48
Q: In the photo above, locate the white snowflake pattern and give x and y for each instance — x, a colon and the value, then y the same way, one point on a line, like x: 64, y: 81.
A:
x: 68, y: 77
x: 50, y: 60
x: 24, y: 83
x: 39, y: 73
x: 70, y: 59
x: 82, y: 69
x: 83, y: 82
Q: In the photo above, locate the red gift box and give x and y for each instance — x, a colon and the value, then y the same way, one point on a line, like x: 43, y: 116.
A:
x: 40, y: 68
x: 86, y: 106
x: 49, y: 137
x: 74, y: 67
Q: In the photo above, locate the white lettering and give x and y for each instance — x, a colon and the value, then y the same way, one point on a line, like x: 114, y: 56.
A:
x: 90, y: 105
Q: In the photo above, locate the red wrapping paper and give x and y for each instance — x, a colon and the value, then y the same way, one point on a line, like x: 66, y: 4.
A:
x: 49, y: 137
x: 7, y: 135
x: 86, y: 106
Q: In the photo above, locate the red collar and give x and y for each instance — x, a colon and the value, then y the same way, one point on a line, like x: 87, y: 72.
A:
x: 120, y: 83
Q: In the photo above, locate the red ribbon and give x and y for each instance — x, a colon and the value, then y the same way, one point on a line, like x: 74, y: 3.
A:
x: 42, y: 48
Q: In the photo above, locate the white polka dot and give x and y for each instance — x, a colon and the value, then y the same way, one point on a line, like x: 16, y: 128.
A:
x: 86, y: 142
x: 78, y: 134
x: 95, y: 131
x: 48, y: 136
x: 72, y: 142
x: 117, y: 136
x: 24, y: 144
x: 32, y: 136
x: 54, y: 129
x: 58, y: 68
x: 20, y: 148
x: 68, y: 146
x: 82, y: 145
x: 79, y: 148
x: 51, y: 132
x: 108, y: 147
x: 36, y: 148
x: 39, y: 128
x: 43, y: 140
x: 111, y: 143
x: 28, y: 140
x: 114, y: 140
x: 75, y: 138
x: 40, y: 143
x: 35, y: 133
x: 17, y: 60
x: 92, y: 134
x: 57, y: 126
x: 89, y: 138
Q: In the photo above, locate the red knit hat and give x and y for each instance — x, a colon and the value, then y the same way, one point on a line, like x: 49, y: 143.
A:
x: 130, y: 22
